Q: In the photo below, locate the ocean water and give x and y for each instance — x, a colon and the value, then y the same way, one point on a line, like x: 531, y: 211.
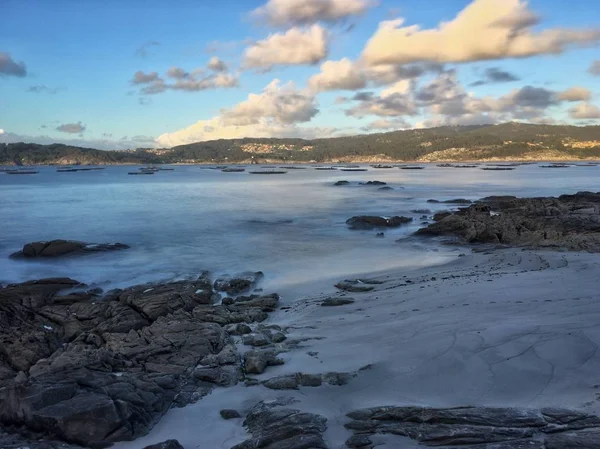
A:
x: 292, y: 226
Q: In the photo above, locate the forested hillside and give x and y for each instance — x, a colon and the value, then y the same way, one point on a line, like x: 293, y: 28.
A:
x: 489, y: 142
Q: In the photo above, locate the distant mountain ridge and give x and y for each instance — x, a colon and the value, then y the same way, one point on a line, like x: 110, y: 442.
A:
x: 507, y: 141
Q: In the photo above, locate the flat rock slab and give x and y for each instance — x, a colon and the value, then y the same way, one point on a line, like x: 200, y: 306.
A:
x: 333, y: 302
x: 274, y: 426
x: 482, y: 427
x: 366, y: 222
x: 57, y: 248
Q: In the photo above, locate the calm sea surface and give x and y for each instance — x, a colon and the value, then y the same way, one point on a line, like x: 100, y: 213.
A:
x: 290, y: 226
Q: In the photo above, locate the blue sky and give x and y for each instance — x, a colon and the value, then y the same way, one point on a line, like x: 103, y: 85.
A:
x: 67, y: 67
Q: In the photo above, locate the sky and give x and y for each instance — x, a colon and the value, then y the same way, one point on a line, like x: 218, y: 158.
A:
x: 159, y: 73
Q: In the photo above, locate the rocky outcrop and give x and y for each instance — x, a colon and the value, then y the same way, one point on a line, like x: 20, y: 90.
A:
x: 569, y: 221
x: 372, y: 222
x: 57, y: 248
x: 274, y: 426
x: 486, y: 427
x: 91, y: 370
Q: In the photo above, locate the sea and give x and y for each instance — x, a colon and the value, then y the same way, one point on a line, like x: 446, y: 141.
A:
x: 292, y: 226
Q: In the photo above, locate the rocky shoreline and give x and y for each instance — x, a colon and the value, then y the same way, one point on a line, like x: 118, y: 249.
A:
x: 90, y: 368
x: 84, y: 368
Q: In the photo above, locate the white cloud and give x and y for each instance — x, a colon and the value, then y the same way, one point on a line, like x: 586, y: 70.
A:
x: 303, y: 12
x: 338, y: 75
x: 216, y: 64
x: 585, y: 111
x: 275, y: 112
x: 346, y: 74
x: 575, y: 94
x: 294, y: 47
x: 444, y: 101
x: 277, y: 102
x: 1, y: 131
x: 193, y: 81
x: 485, y: 29
x: 595, y: 68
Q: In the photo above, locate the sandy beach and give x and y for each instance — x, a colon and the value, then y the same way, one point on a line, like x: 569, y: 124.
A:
x: 509, y: 327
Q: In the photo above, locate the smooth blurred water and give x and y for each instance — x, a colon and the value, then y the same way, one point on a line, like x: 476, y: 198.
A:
x: 290, y: 226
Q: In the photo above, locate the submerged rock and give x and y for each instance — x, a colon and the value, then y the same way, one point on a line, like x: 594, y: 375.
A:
x: 57, y: 248
x: 342, y: 183
x: 371, y: 222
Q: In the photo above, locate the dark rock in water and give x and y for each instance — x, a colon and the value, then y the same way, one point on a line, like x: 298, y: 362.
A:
x: 273, y: 426
x: 380, y: 234
x: 455, y: 201
x: 569, y: 221
x: 239, y: 283
x: 342, y: 183
x: 492, y: 428
x: 56, y: 248
x: 373, y: 183
x: 169, y: 444
x: 421, y: 211
x: 332, y: 302
x: 229, y: 414
x: 371, y: 222
x: 385, y: 188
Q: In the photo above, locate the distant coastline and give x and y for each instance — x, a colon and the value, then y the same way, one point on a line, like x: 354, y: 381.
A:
x: 515, y: 142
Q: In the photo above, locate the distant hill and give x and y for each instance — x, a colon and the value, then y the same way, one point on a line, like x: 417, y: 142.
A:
x: 508, y: 141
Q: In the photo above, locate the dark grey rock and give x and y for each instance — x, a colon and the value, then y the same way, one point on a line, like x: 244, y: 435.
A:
x: 255, y: 362
x: 332, y: 302
x: 482, y: 427
x: 354, y: 286
x: 256, y: 340
x: 274, y: 427
x: 229, y: 414
x: 372, y: 222
x: 169, y: 444
x: 57, y: 248
x: 238, y: 283
x: 569, y: 221
x: 359, y: 441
